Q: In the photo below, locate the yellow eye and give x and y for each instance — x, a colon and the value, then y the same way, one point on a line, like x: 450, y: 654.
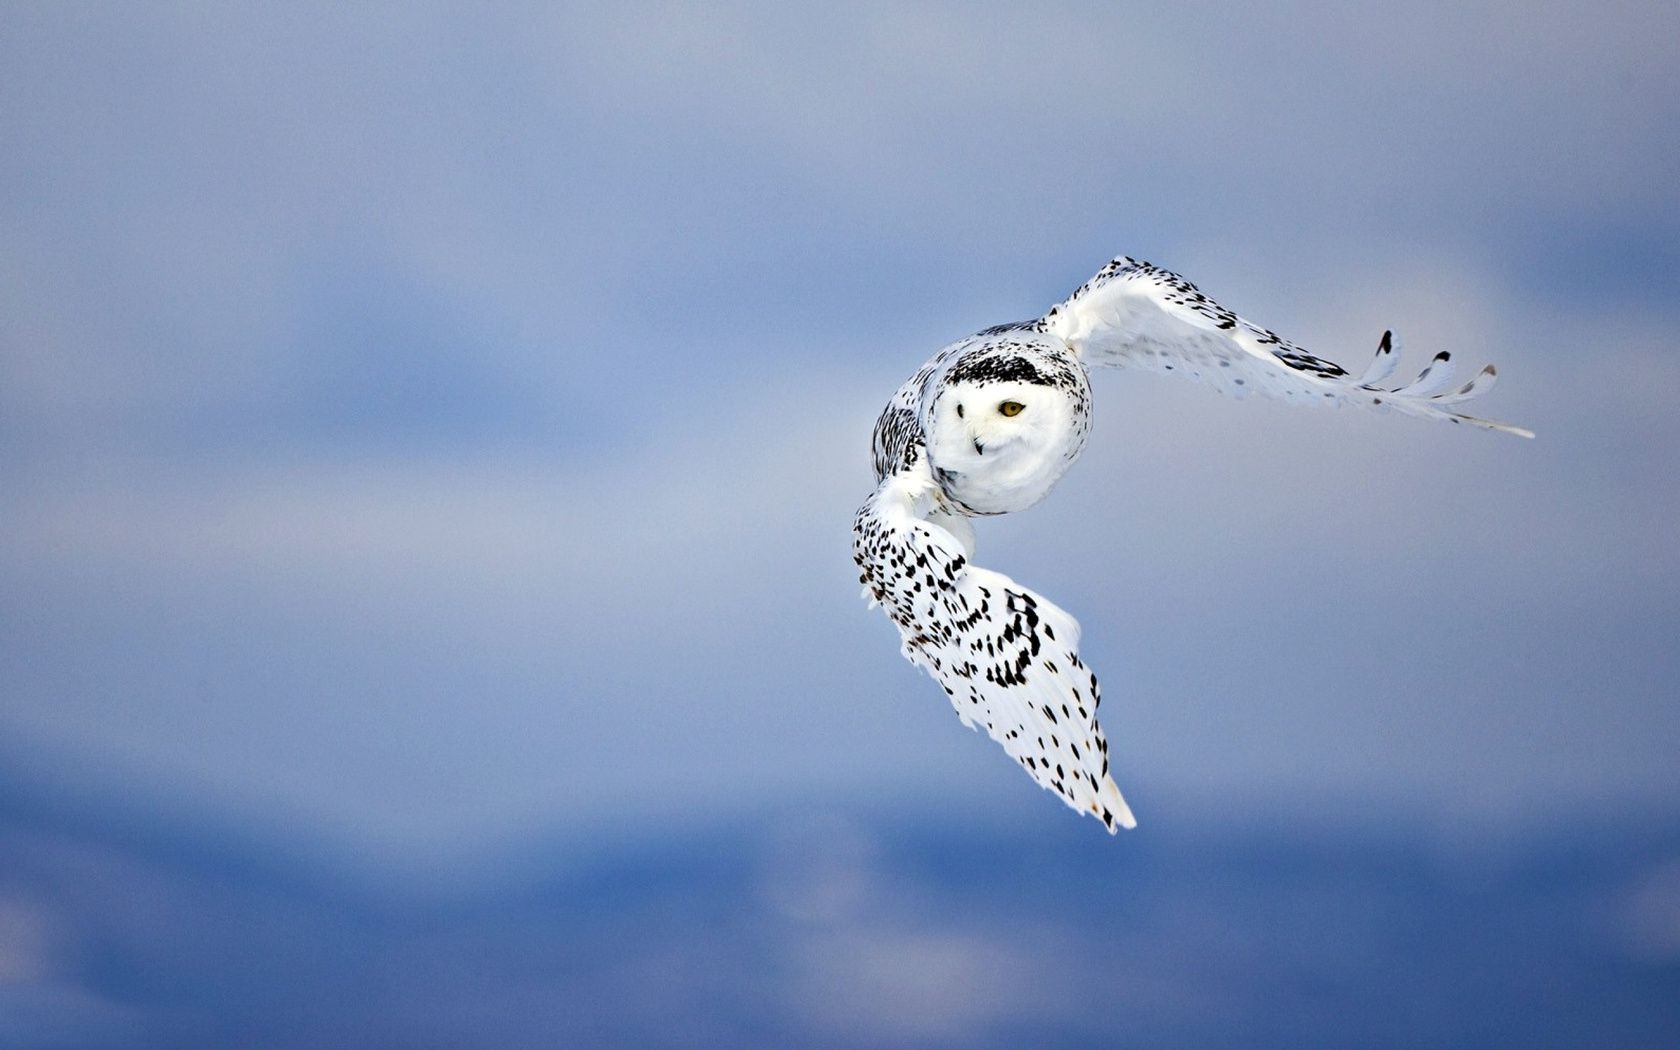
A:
x: 1011, y: 408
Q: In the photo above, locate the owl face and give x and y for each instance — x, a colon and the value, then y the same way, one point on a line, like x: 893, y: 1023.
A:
x: 1001, y: 445
x: 1005, y: 419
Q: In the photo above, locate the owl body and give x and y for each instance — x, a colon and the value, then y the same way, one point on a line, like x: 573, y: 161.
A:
x: 989, y: 425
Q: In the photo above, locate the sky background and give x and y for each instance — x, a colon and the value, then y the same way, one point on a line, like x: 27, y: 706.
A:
x: 428, y: 443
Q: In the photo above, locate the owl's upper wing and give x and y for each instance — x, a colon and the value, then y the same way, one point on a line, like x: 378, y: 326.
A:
x: 1135, y: 315
x: 1007, y: 658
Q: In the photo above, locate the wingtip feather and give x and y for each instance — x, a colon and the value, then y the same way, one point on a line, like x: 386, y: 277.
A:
x: 1110, y: 799
x: 1382, y: 366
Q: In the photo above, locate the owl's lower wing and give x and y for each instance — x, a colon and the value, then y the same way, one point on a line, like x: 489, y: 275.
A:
x: 1007, y: 657
x: 1134, y: 315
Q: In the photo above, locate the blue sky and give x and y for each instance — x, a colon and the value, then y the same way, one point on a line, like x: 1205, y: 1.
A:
x: 431, y: 434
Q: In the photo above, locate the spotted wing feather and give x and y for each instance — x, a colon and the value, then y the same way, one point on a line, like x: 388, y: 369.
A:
x: 1007, y: 658
x: 1135, y: 315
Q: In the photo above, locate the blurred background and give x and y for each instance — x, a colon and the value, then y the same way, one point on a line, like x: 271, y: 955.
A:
x: 428, y: 443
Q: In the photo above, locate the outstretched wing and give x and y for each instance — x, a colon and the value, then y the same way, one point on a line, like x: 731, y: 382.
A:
x: 1007, y: 658
x: 1134, y: 315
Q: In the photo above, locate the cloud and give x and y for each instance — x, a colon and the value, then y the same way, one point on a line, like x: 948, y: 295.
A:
x: 434, y: 650
x: 425, y: 430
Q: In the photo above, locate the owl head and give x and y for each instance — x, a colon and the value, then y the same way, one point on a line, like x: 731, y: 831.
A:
x: 1006, y: 427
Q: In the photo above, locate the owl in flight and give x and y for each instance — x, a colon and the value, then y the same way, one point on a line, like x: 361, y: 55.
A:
x: 990, y: 423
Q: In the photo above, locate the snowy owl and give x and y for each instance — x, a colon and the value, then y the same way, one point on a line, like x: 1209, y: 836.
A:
x: 988, y: 426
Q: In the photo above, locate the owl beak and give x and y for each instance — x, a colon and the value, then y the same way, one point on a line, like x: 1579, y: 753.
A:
x: 979, y: 449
